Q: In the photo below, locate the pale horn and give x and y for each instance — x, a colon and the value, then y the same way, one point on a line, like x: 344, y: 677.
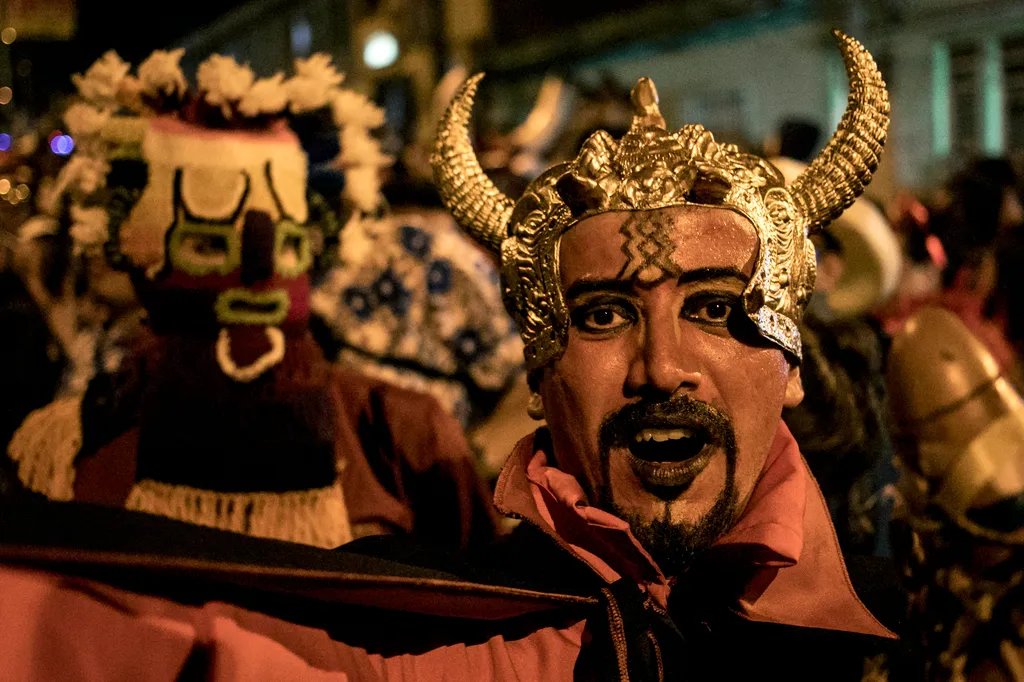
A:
x: 480, y: 208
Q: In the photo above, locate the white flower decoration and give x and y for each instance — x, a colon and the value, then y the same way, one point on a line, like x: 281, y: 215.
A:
x: 160, y: 73
x: 267, y: 96
x: 352, y: 108
x: 223, y: 81
x: 362, y: 186
x: 89, y: 226
x: 359, y: 149
x: 314, y: 83
x: 354, y: 244
x: 102, y: 80
x: 319, y: 67
x: 86, y: 173
x: 84, y: 119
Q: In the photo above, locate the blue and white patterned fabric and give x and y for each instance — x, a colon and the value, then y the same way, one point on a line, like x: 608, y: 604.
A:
x: 415, y: 302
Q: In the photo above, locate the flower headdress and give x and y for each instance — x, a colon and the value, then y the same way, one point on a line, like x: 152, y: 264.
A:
x: 109, y: 119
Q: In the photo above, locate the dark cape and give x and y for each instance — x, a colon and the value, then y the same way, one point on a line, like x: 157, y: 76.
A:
x: 389, y: 596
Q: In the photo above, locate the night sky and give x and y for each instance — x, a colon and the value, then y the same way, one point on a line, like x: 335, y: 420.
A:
x: 136, y: 27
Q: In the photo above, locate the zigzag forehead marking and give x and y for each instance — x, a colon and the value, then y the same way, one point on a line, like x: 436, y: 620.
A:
x: 648, y: 247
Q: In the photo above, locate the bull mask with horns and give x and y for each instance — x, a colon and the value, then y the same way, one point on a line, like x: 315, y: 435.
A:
x: 651, y: 168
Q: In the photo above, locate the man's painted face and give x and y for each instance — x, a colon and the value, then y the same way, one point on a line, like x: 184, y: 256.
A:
x: 665, y: 402
x: 219, y: 231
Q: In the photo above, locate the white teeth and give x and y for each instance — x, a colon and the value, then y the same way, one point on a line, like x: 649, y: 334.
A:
x: 662, y: 435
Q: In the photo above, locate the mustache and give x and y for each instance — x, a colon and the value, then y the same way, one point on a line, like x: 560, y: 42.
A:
x: 620, y: 427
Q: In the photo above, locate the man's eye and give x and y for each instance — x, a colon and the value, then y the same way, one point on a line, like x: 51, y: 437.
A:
x: 710, y: 311
x: 601, y: 319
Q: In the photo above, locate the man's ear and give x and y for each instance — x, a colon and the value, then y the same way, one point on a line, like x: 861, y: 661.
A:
x: 794, y: 388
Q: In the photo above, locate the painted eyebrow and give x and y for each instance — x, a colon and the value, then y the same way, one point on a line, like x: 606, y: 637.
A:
x: 588, y: 285
x: 707, y: 274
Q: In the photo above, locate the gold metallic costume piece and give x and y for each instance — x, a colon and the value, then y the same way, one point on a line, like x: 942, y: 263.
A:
x: 958, y: 528
x: 651, y: 168
x: 964, y: 419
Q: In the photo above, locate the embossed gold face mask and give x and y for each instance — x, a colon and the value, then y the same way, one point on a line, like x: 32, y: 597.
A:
x: 651, y: 168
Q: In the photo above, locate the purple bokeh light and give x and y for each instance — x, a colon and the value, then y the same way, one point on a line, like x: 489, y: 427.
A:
x: 62, y: 145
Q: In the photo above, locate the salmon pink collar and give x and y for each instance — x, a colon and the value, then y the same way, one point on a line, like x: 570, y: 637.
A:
x: 795, y: 574
x: 601, y: 540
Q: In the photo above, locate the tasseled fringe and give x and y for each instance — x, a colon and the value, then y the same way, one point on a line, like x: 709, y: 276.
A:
x: 45, y: 447
x: 313, y: 517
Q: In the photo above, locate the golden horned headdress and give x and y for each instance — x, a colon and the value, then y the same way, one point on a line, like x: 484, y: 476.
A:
x: 651, y: 168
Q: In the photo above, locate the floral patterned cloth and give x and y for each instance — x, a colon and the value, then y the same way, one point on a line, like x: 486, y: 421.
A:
x: 414, y: 302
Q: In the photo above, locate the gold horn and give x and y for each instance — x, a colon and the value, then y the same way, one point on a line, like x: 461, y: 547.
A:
x: 543, y: 122
x: 839, y: 174
x: 477, y: 205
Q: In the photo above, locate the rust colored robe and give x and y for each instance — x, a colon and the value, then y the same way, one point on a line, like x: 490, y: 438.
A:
x: 403, y: 463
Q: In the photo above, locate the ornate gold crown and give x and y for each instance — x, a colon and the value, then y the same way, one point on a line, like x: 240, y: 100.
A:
x: 650, y: 168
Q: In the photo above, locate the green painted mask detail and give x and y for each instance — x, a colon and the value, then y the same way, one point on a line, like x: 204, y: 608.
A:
x: 242, y: 306
x: 202, y: 249
x: 293, y: 253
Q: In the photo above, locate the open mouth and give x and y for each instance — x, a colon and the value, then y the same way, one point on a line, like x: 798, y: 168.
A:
x: 241, y: 306
x: 668, y: 459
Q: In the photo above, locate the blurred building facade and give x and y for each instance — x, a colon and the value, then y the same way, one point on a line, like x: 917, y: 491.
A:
x: 955, y: 67
x: 740, y: 67
x: 955, y: 70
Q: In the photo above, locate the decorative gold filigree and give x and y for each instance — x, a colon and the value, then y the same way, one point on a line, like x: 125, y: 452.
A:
x: 650, y: 168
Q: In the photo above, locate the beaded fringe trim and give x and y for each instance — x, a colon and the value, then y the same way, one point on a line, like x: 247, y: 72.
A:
x: 316, y: 517
x: 45, y: 446
x: 44, y: 449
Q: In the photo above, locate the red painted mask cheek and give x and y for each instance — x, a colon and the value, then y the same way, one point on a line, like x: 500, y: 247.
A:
x: 179, y: 302
x: 185, y: 301
x: 298, y: 298
x: 213, y: 283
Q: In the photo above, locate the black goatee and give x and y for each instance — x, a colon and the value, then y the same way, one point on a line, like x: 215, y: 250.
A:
x: 673, y: 545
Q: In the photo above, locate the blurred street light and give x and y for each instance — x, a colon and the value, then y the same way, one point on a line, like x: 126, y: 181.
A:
x: 8, y: 35
x: 5, y: 95
x: 380, y: 50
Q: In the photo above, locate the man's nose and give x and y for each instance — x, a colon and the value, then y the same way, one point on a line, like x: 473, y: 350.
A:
x: 665, y: 364
x: 257, y: 247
